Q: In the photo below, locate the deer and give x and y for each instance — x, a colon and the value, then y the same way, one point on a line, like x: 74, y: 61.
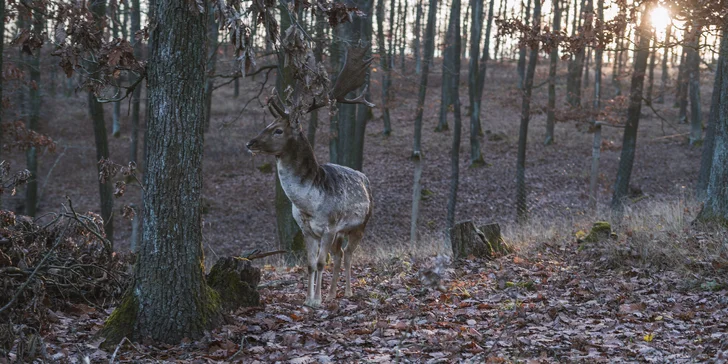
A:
x: 330, y: 202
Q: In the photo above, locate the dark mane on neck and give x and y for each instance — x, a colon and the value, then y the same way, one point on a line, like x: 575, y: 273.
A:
x: 299, y: 156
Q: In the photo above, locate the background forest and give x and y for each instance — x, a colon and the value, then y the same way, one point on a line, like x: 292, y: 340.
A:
x: 592, y: 132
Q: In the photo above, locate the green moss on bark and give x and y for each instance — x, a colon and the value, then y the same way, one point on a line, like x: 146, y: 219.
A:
x: 601, y: 230
x: 120, y: 323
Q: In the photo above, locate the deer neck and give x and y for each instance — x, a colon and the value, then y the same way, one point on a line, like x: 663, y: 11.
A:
x: 297, y: 169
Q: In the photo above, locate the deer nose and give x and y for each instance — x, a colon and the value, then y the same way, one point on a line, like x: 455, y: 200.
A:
x: 250, y: 143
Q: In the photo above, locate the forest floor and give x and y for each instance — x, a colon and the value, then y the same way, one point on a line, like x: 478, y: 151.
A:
x: 656, y: 293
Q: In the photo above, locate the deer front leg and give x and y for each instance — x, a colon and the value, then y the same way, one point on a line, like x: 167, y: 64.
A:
x: 312, y: 248
x: 327, y: 240
x: 336, y: 252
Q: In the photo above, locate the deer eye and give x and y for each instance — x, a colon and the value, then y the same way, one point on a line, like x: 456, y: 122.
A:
x: 278, y: 131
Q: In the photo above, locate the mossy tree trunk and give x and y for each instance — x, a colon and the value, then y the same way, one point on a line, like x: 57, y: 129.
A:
x: 169, y: 298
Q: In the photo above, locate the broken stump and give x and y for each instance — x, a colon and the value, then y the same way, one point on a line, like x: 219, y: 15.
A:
x: 236, y: 281
x: 484, y: 242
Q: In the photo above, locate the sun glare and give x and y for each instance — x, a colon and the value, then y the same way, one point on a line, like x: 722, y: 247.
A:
x: 660, y: 18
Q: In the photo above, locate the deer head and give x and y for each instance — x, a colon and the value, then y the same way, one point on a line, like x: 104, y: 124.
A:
x: 286, y: 128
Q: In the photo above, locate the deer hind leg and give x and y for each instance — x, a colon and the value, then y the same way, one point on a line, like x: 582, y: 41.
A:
x: 354, y: 239
x: 336, y: 252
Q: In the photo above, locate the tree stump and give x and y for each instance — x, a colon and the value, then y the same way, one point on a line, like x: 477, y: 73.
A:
x: 236, y: 281
x: 485, y: 242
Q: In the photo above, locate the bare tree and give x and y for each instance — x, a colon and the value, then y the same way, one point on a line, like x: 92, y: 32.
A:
x: 454, y: 41
x: 136, y: 95
x: 31, y: 192
x: 417, y: 154
x: 629, y: 141
x: 386, y: 70
x: 521, y: 205
x: 693, y: 70
x: 554, y: 59
x: 665, y: 73
x: 521, y: 67
x: 476, y: 158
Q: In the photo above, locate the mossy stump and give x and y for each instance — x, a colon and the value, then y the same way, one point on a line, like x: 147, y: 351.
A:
x: 483, y: 242
x: 601, y: 230
x: 236, y: 281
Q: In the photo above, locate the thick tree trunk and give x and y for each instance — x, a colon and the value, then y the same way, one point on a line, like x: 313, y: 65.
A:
x: 476, y: 158
x: 706, y: 160
x: 417, y: 154
x: 386, y: 70
x: 136, y: 95
x: 318, y: 53
x: 362, y: 32
x: 169, y: 299
x: 554, y: 59
x: 665, y: 73
x: 455, y: 85
x: 521, y: 205
x: 2, y: 48
x: 693, y: 65
x: 715, y: 206
x: 629, y: 141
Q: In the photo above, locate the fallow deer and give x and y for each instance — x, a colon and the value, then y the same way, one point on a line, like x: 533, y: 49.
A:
x: 330, y: 202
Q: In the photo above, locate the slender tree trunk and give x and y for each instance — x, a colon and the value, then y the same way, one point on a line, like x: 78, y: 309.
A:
x: 597, y: 141
x: 386, y: 70
x: 446, y: 99
x: 31, y: 191
x: 318, y: 53
x: 476, y: 158
x: 681, y: 99
x: 212, y: 47
x: 417, y: 154
x: 483, y: 66
x: 521, y: 67
x: 289, y: 234
x: 362, y: 32
x: 116, y: 114
x: 136, y: 95
x: 168, y: 299
x: 586, y: 68
x: 576, y: 66
x: 98, y: 8
x: 651, y: 69
x: 629, y: 141
x: 665, y: 73
x: 706, y: 160
x: 392, y: 33
x: 498, y: 39
x: 715, y: 206
x: 418, y: 31
x: 2, y: 81
x: 693, y: 65
x: 521, y: 204
x: 403, y: 43
x: 554, y: 59
x: 455, y: 85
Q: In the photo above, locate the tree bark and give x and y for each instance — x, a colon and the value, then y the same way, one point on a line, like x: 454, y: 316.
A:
x: 386, y: 70
x: 2, y: 81
x: 706, y: 160
x: 417, y: 154
x: 455, y: 85
x: 715, y: 206
x: 629, y: 140
x: 446, y: 99
x: 681, y: 99
x: 116, y: 114
x: 521, y: 67
x: 31, y: 189
x: 136, y: 95
x: 521, y: 205
x: 96, y: 110
x: 498, y: 39
x: 418, y: 30
x: 169, y: 298
x: 476, y: 158
x: 651, y: 69
x: 212, y: 45
x: 693, y: 65
x: 554, y: 59
x: 597, y: 140
x: 665, y: 73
